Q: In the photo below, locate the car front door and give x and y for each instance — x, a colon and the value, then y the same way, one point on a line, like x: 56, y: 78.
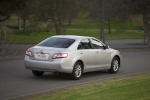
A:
x: 103, y: 55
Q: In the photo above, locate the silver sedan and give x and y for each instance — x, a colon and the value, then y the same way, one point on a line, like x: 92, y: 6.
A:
x: 71, y: 54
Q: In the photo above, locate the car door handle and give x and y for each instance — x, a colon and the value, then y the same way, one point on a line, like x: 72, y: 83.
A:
x: 97, y: 52
x: 81, y: 52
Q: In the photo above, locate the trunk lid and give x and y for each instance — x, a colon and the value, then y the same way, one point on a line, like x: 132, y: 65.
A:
x: 44, y: 53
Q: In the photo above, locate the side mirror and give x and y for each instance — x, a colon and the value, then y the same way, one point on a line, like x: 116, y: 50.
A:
x: 106, y: 47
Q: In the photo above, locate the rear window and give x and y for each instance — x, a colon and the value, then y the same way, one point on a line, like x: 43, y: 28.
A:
x: 57, y: 42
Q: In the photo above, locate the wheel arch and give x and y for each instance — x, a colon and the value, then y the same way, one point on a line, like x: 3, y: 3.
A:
x: 117, y: 56
x: 81, y: 63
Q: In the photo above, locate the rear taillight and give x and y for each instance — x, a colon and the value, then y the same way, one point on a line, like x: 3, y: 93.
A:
x: 29, y: 53
x: 60, y: 55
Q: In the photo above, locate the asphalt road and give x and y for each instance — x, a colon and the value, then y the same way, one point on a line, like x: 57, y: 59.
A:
x: 16, y: 81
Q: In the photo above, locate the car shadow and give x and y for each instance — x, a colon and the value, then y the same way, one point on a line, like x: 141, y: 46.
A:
x: 63, y: 76
x: 95, y: 73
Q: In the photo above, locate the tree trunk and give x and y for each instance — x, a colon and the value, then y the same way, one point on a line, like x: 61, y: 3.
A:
x: 70, y: 22
x: 64, y: 27
x: 109, y: 29
x: 0, y: 31
x: 146, y: 27
x: 148, y: 39
x: 102, y: 21
x: 2, y: 35
x: 2, y: 39
x: 19, y: 22
x: 24, y: 25
x: 56, y: 23
x: 57, y: 26
x: 59, y: 29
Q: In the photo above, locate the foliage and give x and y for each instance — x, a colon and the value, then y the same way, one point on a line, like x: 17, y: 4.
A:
x: 59, y: 13
x: 138, y: 7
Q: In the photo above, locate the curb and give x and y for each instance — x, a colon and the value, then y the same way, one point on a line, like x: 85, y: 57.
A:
x: 132, y: 49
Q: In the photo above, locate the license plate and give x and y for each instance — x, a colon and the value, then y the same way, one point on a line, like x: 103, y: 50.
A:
x: 41, y: 56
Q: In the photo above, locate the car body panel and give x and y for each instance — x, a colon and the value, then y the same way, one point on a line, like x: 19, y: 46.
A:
x: 92, y: 59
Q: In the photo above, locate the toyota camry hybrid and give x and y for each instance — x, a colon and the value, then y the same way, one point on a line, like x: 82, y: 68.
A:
x: 71, y: 54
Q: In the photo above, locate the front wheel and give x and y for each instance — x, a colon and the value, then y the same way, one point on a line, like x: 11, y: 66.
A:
x: 37, y: 73
x: 77, y: 71
x: 115, y: 64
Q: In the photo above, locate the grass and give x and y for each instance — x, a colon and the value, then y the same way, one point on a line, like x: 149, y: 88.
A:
x: 39, y: 36
x: 114, y: 24
x: 131, y: 88
x: 82, y: 26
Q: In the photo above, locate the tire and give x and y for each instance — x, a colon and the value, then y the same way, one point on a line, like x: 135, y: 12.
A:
x: 77, y: 71
x: 115, y: 64
x: 37, y: 73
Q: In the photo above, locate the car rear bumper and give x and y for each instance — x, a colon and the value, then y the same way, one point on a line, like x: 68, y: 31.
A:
x: 47, y: 66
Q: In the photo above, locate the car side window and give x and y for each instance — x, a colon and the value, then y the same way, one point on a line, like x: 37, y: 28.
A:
x: 96, y: 44
x: 84, y: 44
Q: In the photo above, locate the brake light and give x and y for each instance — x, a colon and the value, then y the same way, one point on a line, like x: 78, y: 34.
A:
x: 60, y: 55
x: 29, y: 53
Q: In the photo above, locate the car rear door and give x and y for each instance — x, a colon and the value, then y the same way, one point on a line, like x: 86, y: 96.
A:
x: 87, y: 54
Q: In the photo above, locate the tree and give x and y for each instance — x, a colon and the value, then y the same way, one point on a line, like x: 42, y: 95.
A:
x: 142, y: 7
x: 96, y: 9
x: 5, y: 10
x: 102, y: 20
x: 135, y: 7
x: 57, y: 11
x: 24, y: 10
x: 72, y: 10
x: 102, y: 10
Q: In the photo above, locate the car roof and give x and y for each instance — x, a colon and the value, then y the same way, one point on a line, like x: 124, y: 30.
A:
x: 71, y: 36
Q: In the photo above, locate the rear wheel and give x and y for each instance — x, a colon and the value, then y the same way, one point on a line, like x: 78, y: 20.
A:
x: 77, y: 71
x: 115, y: 64
x: 37, y: 73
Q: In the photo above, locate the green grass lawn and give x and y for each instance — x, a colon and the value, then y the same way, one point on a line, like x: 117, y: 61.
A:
x: 129, y: 88
x: 39, y: 36
x: 81, y: 26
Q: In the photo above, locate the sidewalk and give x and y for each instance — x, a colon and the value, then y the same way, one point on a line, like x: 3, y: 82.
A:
x: 127, y: 44
x: 17, y: 51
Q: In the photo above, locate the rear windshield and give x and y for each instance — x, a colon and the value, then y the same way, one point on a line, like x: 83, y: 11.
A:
x: 57, y: 42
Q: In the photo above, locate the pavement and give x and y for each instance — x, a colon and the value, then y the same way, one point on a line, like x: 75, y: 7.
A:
x: 127, y: 44
x: 17, y: 51
x: 17, y: 83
